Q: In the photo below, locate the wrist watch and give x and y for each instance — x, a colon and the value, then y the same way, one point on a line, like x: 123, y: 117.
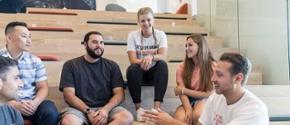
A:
x: 88, y: 110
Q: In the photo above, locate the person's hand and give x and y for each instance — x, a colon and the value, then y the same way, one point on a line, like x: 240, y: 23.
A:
x: 188, y: 116
x: 91, y: 116
x: 160, y: 117
x: 25, y: 107
x: 101, y: 117
x: 146, y: 62
x: 179, y: 90
x: 33, y: 104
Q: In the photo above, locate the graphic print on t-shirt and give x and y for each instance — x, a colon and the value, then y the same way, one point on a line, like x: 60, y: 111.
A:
x: 146, y: 50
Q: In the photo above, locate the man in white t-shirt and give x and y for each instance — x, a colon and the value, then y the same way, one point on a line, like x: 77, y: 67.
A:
x: 232, y: 104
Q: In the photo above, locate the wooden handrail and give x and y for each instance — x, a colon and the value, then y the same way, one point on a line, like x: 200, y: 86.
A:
x: 51, y: 12
x: 46, y: 28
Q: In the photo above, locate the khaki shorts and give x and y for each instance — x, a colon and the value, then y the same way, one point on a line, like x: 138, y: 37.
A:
x: 84, y: 118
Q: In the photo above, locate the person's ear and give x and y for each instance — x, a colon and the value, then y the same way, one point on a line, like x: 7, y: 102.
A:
x: 239, y: 78
x: 8, y: 37
x: 85, y: 44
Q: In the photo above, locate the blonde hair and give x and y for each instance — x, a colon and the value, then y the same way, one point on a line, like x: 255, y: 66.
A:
x: 144, y: 10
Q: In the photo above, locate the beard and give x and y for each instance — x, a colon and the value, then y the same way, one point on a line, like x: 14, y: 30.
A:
x: 92, y: 53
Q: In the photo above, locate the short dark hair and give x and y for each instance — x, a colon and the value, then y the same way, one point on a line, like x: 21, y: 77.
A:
x: 240, y: 64
x: 5, y: 64
x: 87, y: 36
x: 13, y: 24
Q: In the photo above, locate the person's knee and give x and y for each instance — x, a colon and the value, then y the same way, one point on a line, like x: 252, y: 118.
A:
x: 48, y: 109
x: 195, y: 117
x: 162, y: 66
x: 70, y: 119
x: 162, y: 63
x: 180, y: 113
x: 124, y: 118
x: 133, y: 68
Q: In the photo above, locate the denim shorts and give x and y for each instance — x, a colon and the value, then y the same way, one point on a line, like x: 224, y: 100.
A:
x: 193, y: 100
x: 84, y: 118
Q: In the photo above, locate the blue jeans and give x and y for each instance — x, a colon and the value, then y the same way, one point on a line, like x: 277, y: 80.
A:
x: 46, y: 114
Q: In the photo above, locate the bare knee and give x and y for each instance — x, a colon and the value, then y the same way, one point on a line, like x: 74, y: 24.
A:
x: 196, y: 115
x: 179, y: 113
x: 70, y: 120
x: 197, y: 111
x: 123, y: 118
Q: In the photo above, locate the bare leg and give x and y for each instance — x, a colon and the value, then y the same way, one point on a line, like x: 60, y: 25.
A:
x: 180, y: 114
x: 157, y: 105
x: 71, y: 119
x: 122, y: 118
x: 198, y: 108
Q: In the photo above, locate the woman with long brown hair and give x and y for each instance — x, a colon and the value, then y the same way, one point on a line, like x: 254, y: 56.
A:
x: 193, y: 77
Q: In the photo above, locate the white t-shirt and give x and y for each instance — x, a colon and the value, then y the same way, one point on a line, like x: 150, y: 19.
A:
x: 249, y: 110
x: 149, y: 47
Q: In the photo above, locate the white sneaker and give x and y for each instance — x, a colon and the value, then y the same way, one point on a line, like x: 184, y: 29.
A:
x: 139, y: 117
x: 154, y: 110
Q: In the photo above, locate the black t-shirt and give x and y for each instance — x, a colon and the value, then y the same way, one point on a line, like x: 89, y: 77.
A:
x: 93, y: 82
x: 10, y: 116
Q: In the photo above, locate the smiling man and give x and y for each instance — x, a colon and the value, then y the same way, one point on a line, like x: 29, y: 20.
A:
x: 93, y: 87
x: 232, y: 104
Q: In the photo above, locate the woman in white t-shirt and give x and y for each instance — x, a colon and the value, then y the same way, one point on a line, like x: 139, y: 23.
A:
x: 147, y: 51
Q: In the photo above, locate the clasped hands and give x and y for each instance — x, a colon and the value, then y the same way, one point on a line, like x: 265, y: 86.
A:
x: 26, y: 107
x: 146, y: 62
x: 98, y: 117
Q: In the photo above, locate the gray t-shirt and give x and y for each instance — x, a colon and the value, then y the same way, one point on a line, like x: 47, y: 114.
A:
x: 93, y: 82
x: 10, y: 116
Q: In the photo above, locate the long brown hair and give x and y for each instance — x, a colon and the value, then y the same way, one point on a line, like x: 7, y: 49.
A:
x: 205, y: 59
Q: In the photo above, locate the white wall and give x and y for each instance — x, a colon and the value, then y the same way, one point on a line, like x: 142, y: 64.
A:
x: 101, y: 4
x: 260, y: 32
x: 263, y: 37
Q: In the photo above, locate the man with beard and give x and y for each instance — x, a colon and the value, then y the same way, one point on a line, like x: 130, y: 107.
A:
x: 93, y: 87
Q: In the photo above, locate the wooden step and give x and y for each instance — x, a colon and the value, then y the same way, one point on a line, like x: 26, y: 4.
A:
x: 54, y: 71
